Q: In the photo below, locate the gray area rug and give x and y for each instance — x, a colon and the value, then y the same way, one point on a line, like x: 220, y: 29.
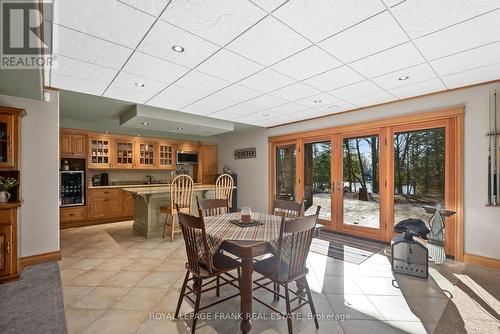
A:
x: 33, y: 304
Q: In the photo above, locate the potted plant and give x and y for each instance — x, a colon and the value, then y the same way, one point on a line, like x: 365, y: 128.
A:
x: 6, y: 184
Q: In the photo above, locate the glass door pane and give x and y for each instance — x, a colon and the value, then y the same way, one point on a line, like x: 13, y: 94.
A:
x: 419, y: 172
x: 285, y: 172
x: 317, y: 178
x: 361, y: 166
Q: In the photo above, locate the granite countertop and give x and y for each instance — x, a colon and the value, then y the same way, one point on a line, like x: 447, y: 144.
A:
x: 132, y: 186
x: 148, y: 190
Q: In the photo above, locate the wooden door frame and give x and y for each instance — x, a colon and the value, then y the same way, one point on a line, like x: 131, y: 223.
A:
x: 360, y: 230
x: 454, y: 118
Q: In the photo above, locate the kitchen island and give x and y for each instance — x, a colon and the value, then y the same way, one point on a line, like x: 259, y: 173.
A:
x: 148, y: 220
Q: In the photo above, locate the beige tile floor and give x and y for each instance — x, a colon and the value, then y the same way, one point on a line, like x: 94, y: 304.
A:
x: 115, y: 281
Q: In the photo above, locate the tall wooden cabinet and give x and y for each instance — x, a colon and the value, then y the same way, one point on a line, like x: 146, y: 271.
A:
x: 208, y: 163
x: 9, y: 157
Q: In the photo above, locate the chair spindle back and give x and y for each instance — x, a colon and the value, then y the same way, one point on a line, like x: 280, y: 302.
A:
x: 181, y: 192
x: 224, y: 187
x: 290, y: 209
x: 212, y: 207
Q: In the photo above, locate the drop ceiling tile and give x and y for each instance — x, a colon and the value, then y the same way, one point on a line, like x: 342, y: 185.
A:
x: 228, y: 65
x: 128, y: 81
x: 470, y: 34
x: 317, y: 101
x: 471, y: 77
x: 175, y: 97
x: 84, y: 71
x: 77, y: 85
x: 420, y: 88
x: 307, y: 63
x: 371, y: 36
x: 74, y: 44
x: 266, y: 81
x: 467, y: 60
x: 320, y: 19
x: 125, y: 94
x: 362, y: 88
x: 235, y: 111
x: 416, y: 74
x: 295, y: 91
x: 269, y: 5
x: 253, y: 119
x: 335, y: 78
x: 238, y: 93
x: 266, y: 101
x: 159, y: 41
x: 208, y: 105
x: 154, y: 68
x: 153, y: 7
x: 394, y: 59
x: 268, y: 41
x: 110, y: 20
x: 217, y: 21
x: 372, y: 99
x: 420, y: 17
x: 336, y: 107
x: 202, y: 82
x: 283, y: 109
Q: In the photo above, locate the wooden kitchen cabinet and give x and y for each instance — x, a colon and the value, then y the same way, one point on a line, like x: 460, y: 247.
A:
x: 208, y: 163
x: 73, y: 214
x: 9, y: 123
x: 99, y: 152
x: 146, y: 155
x: 127, y: 204
x: 123, y: 153
x: 72, y: 145
x: 105, y: 203
x: 166, y: 159
x: 8, y: 241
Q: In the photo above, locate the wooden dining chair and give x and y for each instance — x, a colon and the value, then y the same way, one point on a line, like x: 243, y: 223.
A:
x: 202, y: 266
x: 224, y: 188
x: 290, y: 209
x: 213, y: 207
x: 181, y: 193
x: 287, y: 265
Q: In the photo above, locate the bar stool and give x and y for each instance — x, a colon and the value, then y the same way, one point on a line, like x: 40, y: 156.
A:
x: 181, y: 193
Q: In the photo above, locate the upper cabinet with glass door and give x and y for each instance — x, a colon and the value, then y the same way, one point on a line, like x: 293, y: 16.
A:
x: 100, y: 152
x: 146, y: 157
x: 123, y: 153
x: 8, y: 137
x: 166, y: 159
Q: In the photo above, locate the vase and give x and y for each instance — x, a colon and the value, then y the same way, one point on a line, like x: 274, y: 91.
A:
x: 4, y: 196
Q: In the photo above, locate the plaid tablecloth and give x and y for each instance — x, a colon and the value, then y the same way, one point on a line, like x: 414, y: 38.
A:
x: 219, y: 228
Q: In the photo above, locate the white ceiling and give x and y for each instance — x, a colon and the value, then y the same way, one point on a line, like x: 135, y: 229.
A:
x: 266, y: 62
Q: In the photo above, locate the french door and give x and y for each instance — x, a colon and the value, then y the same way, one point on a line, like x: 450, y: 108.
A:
x: 367, y: 180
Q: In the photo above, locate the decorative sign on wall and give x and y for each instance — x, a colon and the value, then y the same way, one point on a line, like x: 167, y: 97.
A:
x: 245, y: 153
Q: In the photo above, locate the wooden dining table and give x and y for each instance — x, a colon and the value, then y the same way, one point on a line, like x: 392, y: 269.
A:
x: 245, y: 243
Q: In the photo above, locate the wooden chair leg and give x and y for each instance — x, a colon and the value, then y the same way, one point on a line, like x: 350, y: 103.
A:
x: 172, y: 228
x: 288, y: 312
x: 238, y: 270
x: 311, y: 303
x: 277, y: 290
x: 197, y: 288
x: 181, y: 297
x: 217, y: 291
x: 165, y: 227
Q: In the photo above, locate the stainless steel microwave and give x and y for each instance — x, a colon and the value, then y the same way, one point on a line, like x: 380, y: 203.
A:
x: 187, y: 158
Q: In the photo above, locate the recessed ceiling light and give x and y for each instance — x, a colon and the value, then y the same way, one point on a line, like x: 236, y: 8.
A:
x: 318, y: 101
x: 208, y: 131
x: 180, y: 128
x: 106, y: 132
x: 145, y: 123
x: 265, y: 115
x: 139, y: 84
x: 139, y: 135
x: 403, y: 78
x: 178, y: 48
